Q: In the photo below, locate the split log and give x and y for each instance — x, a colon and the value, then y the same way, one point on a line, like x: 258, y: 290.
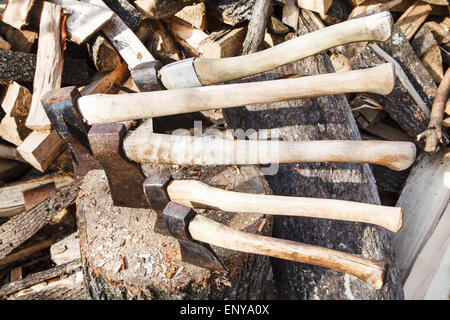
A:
x: 83, y: 19
x: 104, y: 55
x: 9, y: 152
x: 425, y: 190
x: 21, y: 67
x: 24, y: 225
x: 290, y: 14
x: 49, y: 64
x: 127, y: 12
x: 13, y: 201
x: 24, y: 253
x: 16, y: 13
x: 4, y: 45
x: 103, y: 82
x: 158, y: 9
x: 319, y: 6
x: 21, y: 40
x: 262, y: 10
x: 66, y: 250
x: 123, y: 260
x: 40, y: 277
x: 11, y: 170
x: 412, y: 19
x: 309, y: 119
x: 195, y: 15
x: 16, y: 104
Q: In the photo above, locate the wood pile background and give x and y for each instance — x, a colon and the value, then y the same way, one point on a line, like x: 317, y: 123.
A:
x: 39, y: 233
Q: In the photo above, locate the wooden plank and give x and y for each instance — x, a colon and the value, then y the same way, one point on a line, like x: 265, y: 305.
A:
x: 49, y: 65
x: 430, y: 275
x: 425, y: 191
x: 412, y: 19
x: 16, y: 12
x: 16, y: 105
x: 12, y: 199
x: 83, y: 19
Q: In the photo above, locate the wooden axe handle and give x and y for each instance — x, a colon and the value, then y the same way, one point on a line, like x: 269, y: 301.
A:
x: 143, y: 146
x: 209, y: 231
x: 377, y: 27
x: 104, y: 108
x: 196, y: 194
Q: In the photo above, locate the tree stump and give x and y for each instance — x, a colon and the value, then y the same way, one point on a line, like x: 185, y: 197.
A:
x: 123, y: 258
x: 320, y: 118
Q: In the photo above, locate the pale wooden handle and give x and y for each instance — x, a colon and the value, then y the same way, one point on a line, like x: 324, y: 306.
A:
x: 377, y: 27
x: 104, y: 108
x: 209, y: 231
x: 196, y: 194
x: 143, y: 146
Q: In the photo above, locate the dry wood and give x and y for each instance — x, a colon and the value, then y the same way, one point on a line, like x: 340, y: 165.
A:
x: 230, y: 12
x: 15, y: 275
x: 83, y: 19
x: 34, y: 196
x: 412, y: 19
x: 430, y: 275
x: 223, y: 43
x: 195, y: 15
x: 66, y: 250
x: 104, y: 55
x: 38, y: 277
x: 13, y: 201
x: 107, y: 82
x: 376, y: 27
x: 4, y: 45
x: 9, y: 152
x: 209, y: 231
x: 126, y: 11
x: 25, y: 253
x: 158, y: 9
x: 290, y: 14
x: 11, y: 170
x: 124, y: 39
x: 320, y: 6
x: 188, y: 36
x: 16, y: 105
x: 425, y: 191
x: 21, y: 40
x: 40, y: 149
x: 261, y: 12
x: 107, y: 108
x: 49, y: 64
x: 434, y: 132
x: 16, y: 12
x: 196, y: 194
x: 432, y: 60
x: 437, y: 2
x: 162, y: 44
x: 24, y: 225
x: 370, y: 7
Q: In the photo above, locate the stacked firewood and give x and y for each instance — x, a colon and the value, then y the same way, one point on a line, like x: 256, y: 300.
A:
x: 94, y: 44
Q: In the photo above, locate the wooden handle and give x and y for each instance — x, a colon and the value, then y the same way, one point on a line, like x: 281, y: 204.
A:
x: 196, y: 194
x: 143, y: 146
x: 104, y: 108
x: 377, y: 27
x: 209, y: 231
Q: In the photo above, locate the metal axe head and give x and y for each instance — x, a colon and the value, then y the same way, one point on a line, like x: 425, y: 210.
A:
x: 125, y: 178
x: 62, y: 111
x: 177, y: 218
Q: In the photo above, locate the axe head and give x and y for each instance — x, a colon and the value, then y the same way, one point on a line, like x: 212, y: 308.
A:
x: 61, y: 108
x: 177, y: 218
x: 145, y: 75
x: 155, y: 190
x: 125, y: 178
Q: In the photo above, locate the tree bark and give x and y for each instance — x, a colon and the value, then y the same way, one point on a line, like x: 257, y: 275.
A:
x: 257, y: 26
x: 320, y: 118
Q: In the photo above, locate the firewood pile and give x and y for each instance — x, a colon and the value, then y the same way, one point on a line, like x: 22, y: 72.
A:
x: 76, y: 223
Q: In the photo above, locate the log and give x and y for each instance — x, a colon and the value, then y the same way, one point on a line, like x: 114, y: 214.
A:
x: 4, y: 45
x: 122, y: 260
x: 104, y: 55
x: 290, y: 14
x: 319, y: 6
x: 194, y: 14
x: 11, y: 170
x: 66, y: 250
x: 21, y: 67
x: 231, y: 12
x: 308, y: 119
x: 16, y: 104
x: 127, y: 12
x: 16, y: 13
x: 425, y: 190
x: 49, y: 64
x: 158, y: 9
x: 21, y: 40
x: 411, y: 20
x: 262, y: 10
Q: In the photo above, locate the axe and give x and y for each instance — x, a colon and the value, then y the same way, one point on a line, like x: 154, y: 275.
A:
x: 195, y: 234
x: 196, y: 72
x: 66, y: 104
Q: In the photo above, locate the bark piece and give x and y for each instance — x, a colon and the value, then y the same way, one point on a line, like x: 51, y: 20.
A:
x: 111, y: 235
x: 231, y: 12
x: 48, y: 65
x: 308, y: 119
x: 126, y: 11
